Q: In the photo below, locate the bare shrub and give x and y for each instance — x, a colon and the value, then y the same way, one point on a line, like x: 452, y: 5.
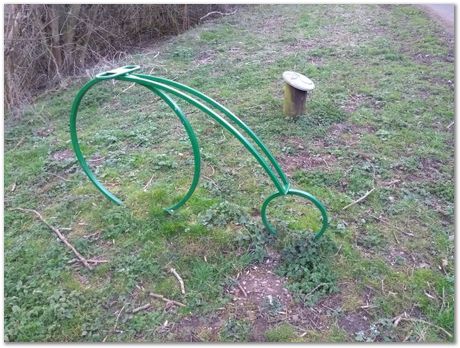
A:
x: 46, y: 42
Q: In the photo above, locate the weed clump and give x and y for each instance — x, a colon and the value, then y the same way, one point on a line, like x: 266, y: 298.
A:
x: 224, y: 213
x: 307, y: 264
x: 235, y: 331
x: 281, y: 333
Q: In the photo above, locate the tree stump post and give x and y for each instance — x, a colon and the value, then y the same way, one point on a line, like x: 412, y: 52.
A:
x: 295, y: 93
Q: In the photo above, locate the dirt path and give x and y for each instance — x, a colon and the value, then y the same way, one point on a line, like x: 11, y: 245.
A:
x: 443, y: 13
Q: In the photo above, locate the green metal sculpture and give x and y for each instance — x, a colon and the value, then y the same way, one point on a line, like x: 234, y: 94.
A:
x: 159, y: 86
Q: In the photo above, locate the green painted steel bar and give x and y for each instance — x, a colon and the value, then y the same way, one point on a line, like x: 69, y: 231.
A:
x: 310, y: 197
x: 76, y: 146
x: 161, y: 85
x: 229, y: 114
x: 217, y: 118
x: 191, y: 134
x: 195, y: 146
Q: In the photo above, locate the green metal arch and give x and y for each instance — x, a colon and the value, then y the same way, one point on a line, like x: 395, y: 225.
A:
x: 161, y: 86
x: 172, y: 104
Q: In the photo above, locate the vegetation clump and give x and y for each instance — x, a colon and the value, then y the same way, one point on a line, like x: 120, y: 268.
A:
x: 306, y: 262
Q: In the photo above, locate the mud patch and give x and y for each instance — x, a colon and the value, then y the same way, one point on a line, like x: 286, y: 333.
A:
x: 305, y: 160
x: 429, y: 169
x: 346, y: 134
x: 44, y: 132
x: 354, y: 322
x: 261, y: 286
x: 96, y: 160
x: 206, y: 57
x: 301, y: 45
x: 197, y: 329
x: 63, y: 155
x: 357, y: 100
x: 273, y: 25
x: 259, y: 297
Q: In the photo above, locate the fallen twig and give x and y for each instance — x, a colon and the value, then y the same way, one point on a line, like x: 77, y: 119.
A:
x: 394, y: 235
x: 148, y: 183
x: 217, y: 12
x: 397, y: 319
x: 338, y: 250
x: 167, y: 300
x: 116, y: 323
x: 141, y: 308
x: 60, y: 235
x: 450, y: 125
x: 443, y: 299
x: 388, y: 224
x: 60, y: 177
x: 89, y: 261
x: 242, y: 290
x: 315, y: 288
x: 359, y: 199
x: 118, y: 317
x: 90, y: 236
x: 98, y: 261
x: 131, y: 85
x: 181, y: 282
x: 19, y: 143
x: 391, y: 182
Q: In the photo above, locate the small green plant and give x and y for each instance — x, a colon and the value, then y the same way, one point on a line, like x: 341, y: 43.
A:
x: 223, y: 213
x: 381, y: 330
x: 306, y: 263
x: 281, y: 333
x: 235, y: 331
x: 272, y: 306
x: 255, y: 240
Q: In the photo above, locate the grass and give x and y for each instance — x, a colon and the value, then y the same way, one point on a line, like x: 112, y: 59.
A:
x: 377, y: 118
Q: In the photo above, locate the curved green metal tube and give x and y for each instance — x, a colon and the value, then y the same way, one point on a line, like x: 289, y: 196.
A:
x: 161, y: 85
x: 195, y: 146
x: 216, y: 117
x: 310, y: 197
x: 188, y: 128
x: 76, y: 145
x: 226, y: 112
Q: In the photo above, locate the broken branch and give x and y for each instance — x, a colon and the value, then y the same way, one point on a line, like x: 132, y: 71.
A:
x: 141, y: 308
x: 359, y: 199
x: 167, y: 300
x: 181, y: 282
x: 242, y: 290
x: 316, y: 288
x: 399, y: 318
x: 217, y: 12
x: 59, y: 234
x: 148, y: 183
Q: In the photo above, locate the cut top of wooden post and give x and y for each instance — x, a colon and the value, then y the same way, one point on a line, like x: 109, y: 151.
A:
x: 298, y: 81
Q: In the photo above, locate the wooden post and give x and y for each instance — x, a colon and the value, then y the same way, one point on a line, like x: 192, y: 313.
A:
x: 295, y: 93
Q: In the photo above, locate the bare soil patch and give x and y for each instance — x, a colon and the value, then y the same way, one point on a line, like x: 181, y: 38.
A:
x: 300, y: 158
x: 262, y: 298
x: 305, y: 160
x: 44, y: 132
x: 354, y: 322
x: 356, y: 100
x: 62, y: 155
x: 346, y: 134
x: 205, y: 57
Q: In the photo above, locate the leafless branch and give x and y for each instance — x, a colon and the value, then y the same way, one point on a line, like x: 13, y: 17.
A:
x: 359, y: 199
x: 60, y: 235
x: 167, y: 300
x: 181, y: 282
